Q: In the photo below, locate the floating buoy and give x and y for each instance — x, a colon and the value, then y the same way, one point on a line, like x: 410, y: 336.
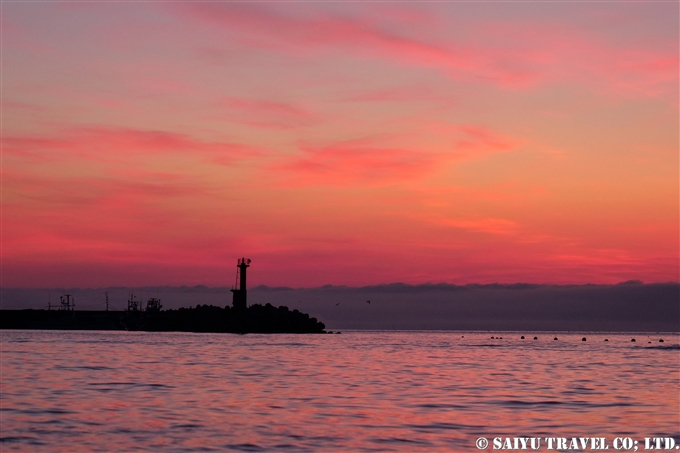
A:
x: 522, y: 337
x: 632, y: 340
x: 555, y: 338
x: 606, y: 339
x: 583, y: 339
x: 535, y: 338
x: 661, y: 341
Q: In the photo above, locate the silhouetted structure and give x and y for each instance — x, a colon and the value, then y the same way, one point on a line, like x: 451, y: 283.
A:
x: 68, y: 303
x: 203, y: 318
x: 153, y: 305
x: 133, y: 304
x: 240, y: 294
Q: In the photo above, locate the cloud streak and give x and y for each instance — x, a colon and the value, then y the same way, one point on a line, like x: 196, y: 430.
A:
x: 513, y: 55
x: 345, y: 164
x: 267, y: 114
x: 488, y: 225
x: 109, y: 144
x: 365, y: 163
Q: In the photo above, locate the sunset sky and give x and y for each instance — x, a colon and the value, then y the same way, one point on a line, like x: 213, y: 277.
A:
x: 344, y: 143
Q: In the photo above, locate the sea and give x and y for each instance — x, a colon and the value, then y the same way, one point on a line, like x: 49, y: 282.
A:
x: 358, y: 391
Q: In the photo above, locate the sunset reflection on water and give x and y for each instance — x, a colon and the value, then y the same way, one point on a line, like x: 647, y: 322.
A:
x: 359, y: 391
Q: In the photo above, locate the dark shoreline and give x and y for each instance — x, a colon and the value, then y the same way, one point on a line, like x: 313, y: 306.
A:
x: 630, y: 307
x: 202, y: 318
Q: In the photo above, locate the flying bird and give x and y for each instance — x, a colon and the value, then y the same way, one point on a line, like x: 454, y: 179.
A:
x: 368, y: 301
x: 337, y: 304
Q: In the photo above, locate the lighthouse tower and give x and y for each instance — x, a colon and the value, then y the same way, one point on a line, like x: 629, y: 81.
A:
x: 240, y: 292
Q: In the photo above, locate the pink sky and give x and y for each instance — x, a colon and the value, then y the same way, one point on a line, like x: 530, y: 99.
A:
x: 339, y: 143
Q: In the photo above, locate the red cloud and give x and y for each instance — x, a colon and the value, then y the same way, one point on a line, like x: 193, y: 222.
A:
x: 23, y: 106
x: 267, y: 114
x: 277, y: 31
x: 110, y: 144
x: 480, y: 140
x: 346, y: 164
x: 506, y: 54
x: 128, y: 217
x: 485, y: 225
x: 358, y: 162
x: 84, y: 192
x: 402, y: 94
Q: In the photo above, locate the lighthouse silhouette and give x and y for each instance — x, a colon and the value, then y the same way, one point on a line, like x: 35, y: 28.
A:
x: 240, y: 293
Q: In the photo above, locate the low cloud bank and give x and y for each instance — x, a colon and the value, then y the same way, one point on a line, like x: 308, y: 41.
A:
x: 630, y: 306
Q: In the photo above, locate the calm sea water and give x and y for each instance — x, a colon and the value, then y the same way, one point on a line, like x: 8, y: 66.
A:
x: 359, y: 391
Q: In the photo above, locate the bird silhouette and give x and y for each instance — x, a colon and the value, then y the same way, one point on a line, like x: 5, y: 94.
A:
x: 368, y: 301
x: 337, y: 304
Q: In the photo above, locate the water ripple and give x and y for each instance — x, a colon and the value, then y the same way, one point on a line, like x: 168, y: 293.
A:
x: 359, y: 392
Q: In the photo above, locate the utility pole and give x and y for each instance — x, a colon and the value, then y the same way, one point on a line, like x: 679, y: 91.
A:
x: 107, y: 300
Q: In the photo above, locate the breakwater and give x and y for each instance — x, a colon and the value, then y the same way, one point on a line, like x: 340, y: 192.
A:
x: 202, y: 318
